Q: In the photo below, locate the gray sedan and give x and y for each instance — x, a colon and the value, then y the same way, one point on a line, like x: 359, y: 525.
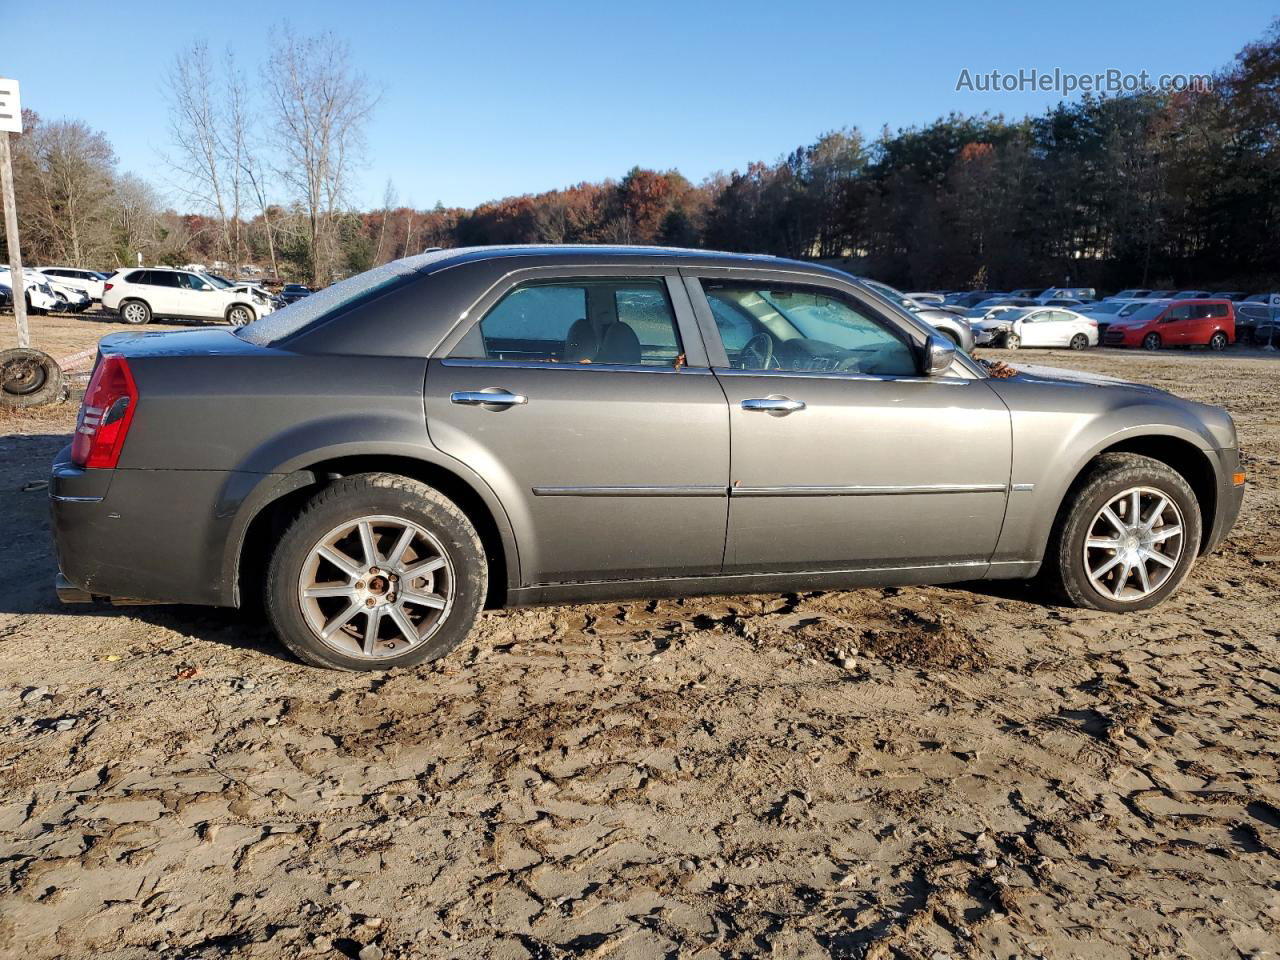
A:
x: 502, y: 426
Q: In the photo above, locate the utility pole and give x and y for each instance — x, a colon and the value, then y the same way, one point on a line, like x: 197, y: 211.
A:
x: 11, y: 122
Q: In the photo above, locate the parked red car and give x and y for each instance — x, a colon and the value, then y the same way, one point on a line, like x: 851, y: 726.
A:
x: 1176, y: 323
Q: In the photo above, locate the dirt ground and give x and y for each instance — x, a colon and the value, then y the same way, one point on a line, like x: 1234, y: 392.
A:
x: 916, y: 773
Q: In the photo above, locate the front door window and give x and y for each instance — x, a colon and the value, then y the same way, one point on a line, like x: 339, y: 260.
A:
x: 768, y: 327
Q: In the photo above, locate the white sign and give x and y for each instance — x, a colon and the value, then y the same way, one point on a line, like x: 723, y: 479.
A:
x: 10, y: 107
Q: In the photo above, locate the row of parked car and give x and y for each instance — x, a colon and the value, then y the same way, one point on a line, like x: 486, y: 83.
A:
x: 140, y: 294
x: 1074, y: 317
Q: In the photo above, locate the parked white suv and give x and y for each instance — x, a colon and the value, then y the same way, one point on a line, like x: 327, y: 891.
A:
x: 138, y: 295
x: 90, y: 281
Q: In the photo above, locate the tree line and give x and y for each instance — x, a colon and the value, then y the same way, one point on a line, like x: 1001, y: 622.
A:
x: 1146, y: 189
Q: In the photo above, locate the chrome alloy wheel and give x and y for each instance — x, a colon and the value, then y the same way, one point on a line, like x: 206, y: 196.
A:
x: 376, y: 586
x: 1134, y: 544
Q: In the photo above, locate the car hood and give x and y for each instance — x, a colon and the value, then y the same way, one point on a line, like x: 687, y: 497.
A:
x: 1031, y: 371
x: 992, y: 321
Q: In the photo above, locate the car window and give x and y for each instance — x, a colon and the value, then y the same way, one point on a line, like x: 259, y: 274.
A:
x: 734, y: 325
x: 806, y: 329
x: 590, y: 321
x: 1180, y: 312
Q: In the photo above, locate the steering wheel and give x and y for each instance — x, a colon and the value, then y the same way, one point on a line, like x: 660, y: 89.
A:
x: 757, y: 353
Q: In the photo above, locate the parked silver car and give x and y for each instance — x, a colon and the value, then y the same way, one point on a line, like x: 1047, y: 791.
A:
x: 951, y: 325
x: 505, y: 426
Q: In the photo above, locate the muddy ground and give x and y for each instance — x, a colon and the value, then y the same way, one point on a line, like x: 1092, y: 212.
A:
x: 916, y: 773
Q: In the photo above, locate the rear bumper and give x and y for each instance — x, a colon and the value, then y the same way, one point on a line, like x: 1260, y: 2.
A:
x: 145, y: 535
x: 68, y: 592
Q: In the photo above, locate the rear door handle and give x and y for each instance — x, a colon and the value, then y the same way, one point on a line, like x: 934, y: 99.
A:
x: 488, y: 398
x: 773, y: 404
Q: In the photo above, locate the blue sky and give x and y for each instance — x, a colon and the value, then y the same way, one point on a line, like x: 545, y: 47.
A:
x: 484, y: 100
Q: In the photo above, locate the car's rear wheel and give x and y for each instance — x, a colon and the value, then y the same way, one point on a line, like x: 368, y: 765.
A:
x: 135, y: 312
x: 1151, y: 341
x: 1012, y: 341
x: 1079, y: 342
x: 377, y: 571
x: 239, y: 315
x: 1218, y: 341
x: 1127, y: 537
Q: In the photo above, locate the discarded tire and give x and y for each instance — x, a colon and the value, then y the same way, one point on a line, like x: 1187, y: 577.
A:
x: 28, y: 378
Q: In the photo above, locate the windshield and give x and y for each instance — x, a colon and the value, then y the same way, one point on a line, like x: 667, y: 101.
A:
x: 1148, y: 313
x: 887, y: 292
x: 1107, y: 306
x: 217, y: 281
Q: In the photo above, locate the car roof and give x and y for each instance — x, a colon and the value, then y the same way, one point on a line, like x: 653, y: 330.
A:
x: 610, y: 253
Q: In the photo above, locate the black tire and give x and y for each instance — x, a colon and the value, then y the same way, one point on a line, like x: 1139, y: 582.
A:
x: 380, y: 494
x: 1151, y: 341
x: 1108, y: 476
x: 239, y: 315
x: 1079, y: 342
x: 28, y: 378
x: 1218, y: 342
x: 135, y: 312
x: 1012, y: 341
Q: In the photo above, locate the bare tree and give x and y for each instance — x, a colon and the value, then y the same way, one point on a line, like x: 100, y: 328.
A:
x: 204, y: 175
x: 388, y: 202
x: 64, y: 178
x: 320, y: 106
x: 243, y: 151
x: 135, y: 218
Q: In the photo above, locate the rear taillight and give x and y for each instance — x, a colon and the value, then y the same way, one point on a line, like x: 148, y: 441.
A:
x: 105, y: 414
x: 107, y: 286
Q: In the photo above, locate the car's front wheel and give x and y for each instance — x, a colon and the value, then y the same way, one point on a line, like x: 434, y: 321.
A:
x: 1151, y: 341
x: 1127, y: 537
x: 239, y: 315
x: 135, y: 312
x: 1012, y: 341
x: 377, y: 571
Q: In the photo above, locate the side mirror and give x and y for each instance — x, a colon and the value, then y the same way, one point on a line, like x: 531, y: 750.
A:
x: 939, y: 353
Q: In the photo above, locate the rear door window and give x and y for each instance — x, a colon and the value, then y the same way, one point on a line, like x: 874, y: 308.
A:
x: 616, y: 321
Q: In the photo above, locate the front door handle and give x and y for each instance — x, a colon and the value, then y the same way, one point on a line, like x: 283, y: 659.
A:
x: 773, y: 404
x: 488, y: 398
